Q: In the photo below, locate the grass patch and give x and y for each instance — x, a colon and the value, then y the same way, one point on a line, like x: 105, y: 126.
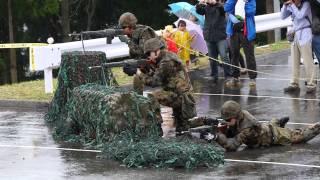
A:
x: 121, y: 77
x: 281, y: 45
x: 31, y: 90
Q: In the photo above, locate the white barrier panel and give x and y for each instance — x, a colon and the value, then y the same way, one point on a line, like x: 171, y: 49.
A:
x: 272, y: 21
x: 50, y: 56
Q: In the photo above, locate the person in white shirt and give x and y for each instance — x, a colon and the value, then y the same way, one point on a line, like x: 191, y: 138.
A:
x: 300, y: 12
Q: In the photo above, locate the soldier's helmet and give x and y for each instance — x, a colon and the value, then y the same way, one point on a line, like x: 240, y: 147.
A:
x: 230, y: 109
x: 127, y: 20
x: 152, y: 44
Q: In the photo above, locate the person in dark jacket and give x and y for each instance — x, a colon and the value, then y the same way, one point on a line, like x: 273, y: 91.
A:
x: 315, y: 9
x: 214, y: 33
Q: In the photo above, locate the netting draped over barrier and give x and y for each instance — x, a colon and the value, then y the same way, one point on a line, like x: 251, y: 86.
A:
x: 125, y: 125
x: 75, y: 71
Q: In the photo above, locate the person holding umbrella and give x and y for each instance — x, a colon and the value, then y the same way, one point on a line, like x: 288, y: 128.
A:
x: 214, y: 33
x: 315, y: 9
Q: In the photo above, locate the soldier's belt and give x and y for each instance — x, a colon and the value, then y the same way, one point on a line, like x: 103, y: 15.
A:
x: 272, y: 134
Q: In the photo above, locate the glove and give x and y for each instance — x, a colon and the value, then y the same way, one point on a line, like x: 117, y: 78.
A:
x: 129, y: 70
x: 238, y: 27
x: 145, y: 68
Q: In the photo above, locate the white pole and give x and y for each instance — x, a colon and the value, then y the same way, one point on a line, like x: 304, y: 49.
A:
x: 48, y: 80
x: 277, y: 32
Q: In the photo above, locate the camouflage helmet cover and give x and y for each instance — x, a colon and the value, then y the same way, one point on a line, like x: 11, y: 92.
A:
x: 127, y: 19
x: 152, y: 44
x: 230, y: 109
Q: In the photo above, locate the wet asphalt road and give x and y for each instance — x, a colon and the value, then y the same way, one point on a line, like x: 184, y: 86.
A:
x: 21, y: 130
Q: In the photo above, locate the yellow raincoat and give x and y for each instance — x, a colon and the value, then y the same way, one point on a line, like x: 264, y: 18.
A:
x: 183, y: 40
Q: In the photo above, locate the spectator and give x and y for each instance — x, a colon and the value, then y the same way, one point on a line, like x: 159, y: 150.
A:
x: 300, y: 11
x: 167, y: 34
x: 315, y: 9
x: 214, y: 33
x: 242, y: 33
x: 183, y: 39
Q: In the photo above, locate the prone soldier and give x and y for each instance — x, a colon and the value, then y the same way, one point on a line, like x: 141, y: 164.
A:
x: 243, y: 128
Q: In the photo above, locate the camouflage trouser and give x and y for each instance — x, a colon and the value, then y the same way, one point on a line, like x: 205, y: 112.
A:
x: 286, y: 136
x: 138, y: 84
x: 183, y: 109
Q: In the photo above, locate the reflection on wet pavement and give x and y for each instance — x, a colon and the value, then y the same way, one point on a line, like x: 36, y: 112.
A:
x: 27, y: 128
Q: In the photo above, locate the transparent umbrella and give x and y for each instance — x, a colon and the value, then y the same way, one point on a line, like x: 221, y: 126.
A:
x: 185, y: 10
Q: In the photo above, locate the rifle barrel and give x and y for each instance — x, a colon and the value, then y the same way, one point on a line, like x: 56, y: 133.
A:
x: 104, y: 32
x: 135, y: 62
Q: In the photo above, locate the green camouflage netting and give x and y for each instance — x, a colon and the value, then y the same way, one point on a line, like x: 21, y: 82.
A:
x: 75, y: 71
x: 158, y: 152
x: 98, y: 113
x: 123, y: 124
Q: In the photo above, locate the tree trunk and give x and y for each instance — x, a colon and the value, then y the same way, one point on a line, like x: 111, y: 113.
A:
x: 90, y: 9
x: 13, y: 56
x: 270, y: 9
x: 65, y: 20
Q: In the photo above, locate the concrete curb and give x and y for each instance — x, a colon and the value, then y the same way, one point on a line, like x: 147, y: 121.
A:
x: 34, y: 105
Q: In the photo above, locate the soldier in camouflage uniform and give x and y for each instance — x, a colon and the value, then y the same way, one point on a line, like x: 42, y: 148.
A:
x: 136, y: 33
x: 171, y: 75
x: 243, y: 128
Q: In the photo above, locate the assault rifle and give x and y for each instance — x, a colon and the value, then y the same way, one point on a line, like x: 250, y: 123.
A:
x: 128, y: 62
x: 208, y: 130
x: 130, y: 66
x: 108, y: 33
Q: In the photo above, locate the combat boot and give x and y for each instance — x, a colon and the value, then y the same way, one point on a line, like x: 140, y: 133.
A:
x: 233, y: 83
x: 293, y: 87
x: 252, y: 83
x: 196, y: 121
x: 283, y: 121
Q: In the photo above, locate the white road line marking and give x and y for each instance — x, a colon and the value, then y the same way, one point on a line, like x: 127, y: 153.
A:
x: 50, y: 148
x: 293, y: 123
x: 98, y: 151
x: 274, y: 65
x: 272, y: 163
x: 243, y: 95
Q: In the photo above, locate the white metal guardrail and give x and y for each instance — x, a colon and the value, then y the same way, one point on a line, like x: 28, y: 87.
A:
x: 272, y: 21
x: 47, y: 58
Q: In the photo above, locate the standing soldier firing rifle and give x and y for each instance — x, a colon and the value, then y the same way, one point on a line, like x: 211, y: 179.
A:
x: 137, y: 36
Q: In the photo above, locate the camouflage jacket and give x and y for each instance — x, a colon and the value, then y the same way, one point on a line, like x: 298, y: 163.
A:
x: 169, y: 74
x: 247, y: 131
x: 140, y: 35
